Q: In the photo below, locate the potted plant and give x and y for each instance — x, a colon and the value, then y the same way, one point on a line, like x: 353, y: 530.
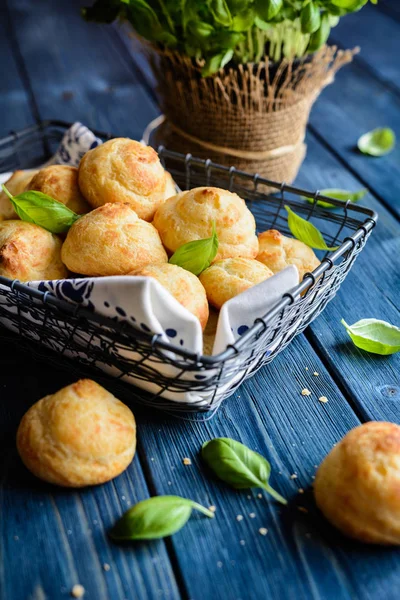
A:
x: 237, y: 78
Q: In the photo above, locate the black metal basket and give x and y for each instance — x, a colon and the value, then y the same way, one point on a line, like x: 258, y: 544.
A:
x: 102, y: 344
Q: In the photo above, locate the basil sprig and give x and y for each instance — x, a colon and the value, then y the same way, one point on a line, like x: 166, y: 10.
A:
x: 197, y: 255
x: 373, y: 335
x: 238, y: 466
x: 338, y: 194
x: 40, y: 209
x: 306, y: 232
x: 377, y: 142
x: 156, y: 518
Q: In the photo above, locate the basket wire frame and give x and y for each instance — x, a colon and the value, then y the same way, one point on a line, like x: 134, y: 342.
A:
x: 98, y: 342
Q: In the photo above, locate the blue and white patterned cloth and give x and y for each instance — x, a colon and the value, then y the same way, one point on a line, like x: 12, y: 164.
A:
x: 144, y: 303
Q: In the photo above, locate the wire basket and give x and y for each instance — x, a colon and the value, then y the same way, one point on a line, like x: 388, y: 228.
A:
x: 102, y: 344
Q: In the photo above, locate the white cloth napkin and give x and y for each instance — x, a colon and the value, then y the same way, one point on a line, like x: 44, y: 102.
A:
x: 145, y: 304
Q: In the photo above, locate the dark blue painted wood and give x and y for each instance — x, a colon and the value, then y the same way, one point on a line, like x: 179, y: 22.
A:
x: 301, y: 557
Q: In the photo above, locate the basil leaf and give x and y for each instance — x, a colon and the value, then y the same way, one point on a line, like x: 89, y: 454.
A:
x: 343, y: 195
x: 155, y: 518
x: 197, y: 255
x: 238, y: 466
x: 268, y: 9
x: 377, y: 142
x: 306, y: 232
x: 215, y: 63
x: 372, y: 335
x: 220, y: 11
x: 40, y: 209
x: 310, y: 18
x: 320, y: 37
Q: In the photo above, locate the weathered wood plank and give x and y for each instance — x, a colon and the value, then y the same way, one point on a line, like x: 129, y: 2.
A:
x: 377, y: 34
x: 75, y: 72
x: 268, y: 410
x: 300, y: 554
x: 15, y: 105
x: 371, y: 290
x: 59, y: 536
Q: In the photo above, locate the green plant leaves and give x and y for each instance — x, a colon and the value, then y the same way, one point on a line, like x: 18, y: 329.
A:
x: 338, y: 194
x: 320, y: 37
x: 40, y: 209
x: 220, y: 12
x: 306, y: 232
x: 372, y: 335
x: 155, y: 518
x: 268, y: 9
x: 197, y: 255
x: 377, y: 142
x: 310, y: 18
x: 238, y: 466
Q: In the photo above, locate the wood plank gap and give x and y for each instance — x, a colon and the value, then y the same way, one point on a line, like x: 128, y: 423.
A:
x: 22, y: 70
x: 361, y: 62
x: 131, y: 63
x: 334, y: 373
x: 173, y: 558
x: 321, y: 139
x: 388, y: 10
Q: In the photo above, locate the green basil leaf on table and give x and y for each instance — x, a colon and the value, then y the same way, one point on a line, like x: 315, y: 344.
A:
x: 338, y: 194
x: 373, y: 335
x: 40, y: 209
x: 268, y: 9
x: 238, y: 466
x: 306, y: 232
x: 349, y: 5
x: 310, y: 18
x: 320, y: 37
x: 197, y: 255
x: 156, y: 518
x: 378, y: 142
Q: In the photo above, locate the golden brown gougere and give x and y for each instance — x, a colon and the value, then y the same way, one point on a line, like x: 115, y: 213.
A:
x: 229, y: 277
x: 111, y: 240
x: 29, y: 252
x: 357, y: 486
x: 15, y: 185
x: 123, y: 170
x: 81, y: 435
x: 183, y: 285
x: 189, y: 216
x: 61, y: 183
x: 278, y: 252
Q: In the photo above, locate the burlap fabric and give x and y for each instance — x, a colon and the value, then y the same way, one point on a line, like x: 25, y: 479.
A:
x: 253, y: 117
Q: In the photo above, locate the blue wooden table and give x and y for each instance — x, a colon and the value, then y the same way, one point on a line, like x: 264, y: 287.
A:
x: 56, y: 66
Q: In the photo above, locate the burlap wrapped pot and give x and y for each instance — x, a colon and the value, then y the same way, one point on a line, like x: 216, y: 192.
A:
x: 253, y: 116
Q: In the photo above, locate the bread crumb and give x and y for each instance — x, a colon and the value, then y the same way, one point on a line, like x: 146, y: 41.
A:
x: 263, y: 531
x: 212, y: 508
x: 248, y: 497
x: 301, y: 491
x: 302, y: 509
x: 259, y: 496
x: 242, y: 542
x: 239, y: 518
x: 187, y: 461
x: 323, y: 399
x: 106, y: 567
x: 16, y: 538
x: 294, y: 476
x: 219, y: 564
x: 306, y: 368
x: 78, y: 591
x: 315, y: 373
x: 305, y: 392
x: 252, y: 515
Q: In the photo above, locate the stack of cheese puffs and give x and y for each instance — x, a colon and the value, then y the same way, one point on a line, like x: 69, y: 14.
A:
x: 132, y: 221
